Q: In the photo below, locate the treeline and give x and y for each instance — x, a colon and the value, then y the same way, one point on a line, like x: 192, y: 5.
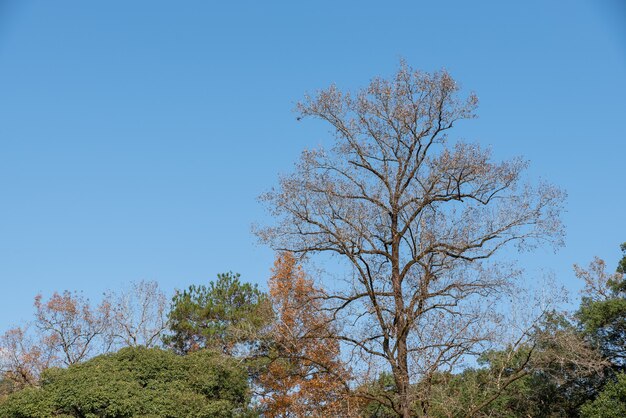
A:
x: 228, y: 349
x: 222, y: 349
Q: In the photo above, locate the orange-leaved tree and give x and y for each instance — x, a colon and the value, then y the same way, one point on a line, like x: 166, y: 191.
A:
x: 305, y: 375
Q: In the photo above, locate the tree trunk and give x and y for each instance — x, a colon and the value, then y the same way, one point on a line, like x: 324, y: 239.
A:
x: 401, y: 372
x: 402, y: 380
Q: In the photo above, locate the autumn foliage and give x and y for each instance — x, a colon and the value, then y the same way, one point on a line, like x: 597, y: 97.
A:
x: 21, y: 360
x: 306, y: 376
x: 70, y: 326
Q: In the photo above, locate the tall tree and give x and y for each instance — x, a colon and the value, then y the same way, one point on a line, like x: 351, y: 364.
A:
x: 416, y: 219
x: 226, y: 315
x: 305, y: 376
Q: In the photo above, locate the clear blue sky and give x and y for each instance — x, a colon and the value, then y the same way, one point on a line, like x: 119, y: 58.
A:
x: 136, y: 135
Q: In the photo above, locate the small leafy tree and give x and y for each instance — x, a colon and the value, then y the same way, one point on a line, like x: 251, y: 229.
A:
x: 226, y: 315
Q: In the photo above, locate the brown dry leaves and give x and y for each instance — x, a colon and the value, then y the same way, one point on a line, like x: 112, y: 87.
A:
x: 306, y: 376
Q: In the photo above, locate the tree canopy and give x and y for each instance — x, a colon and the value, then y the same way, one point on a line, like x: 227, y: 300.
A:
x: 223, y: 315
x: 137, y: 382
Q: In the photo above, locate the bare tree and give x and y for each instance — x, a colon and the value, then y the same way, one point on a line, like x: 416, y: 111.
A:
x: 23, y: 358
x: 68, y: 329
x: 419, y: 221
x: 139, y: 314
x: 71, y: 327
x: 600, y: 285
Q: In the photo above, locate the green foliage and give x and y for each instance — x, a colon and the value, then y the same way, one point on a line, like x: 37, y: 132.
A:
x: 137, y: 382
x: 382, y: 388
x: 223, y: 315
x: 457, y: 394
x: 603, y: 320
x: 7, y: 386
x: 550, y: 375
x: 621, y: 266
x: 534, y: 395
x: 610, y: 403
x: 605, y: 323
